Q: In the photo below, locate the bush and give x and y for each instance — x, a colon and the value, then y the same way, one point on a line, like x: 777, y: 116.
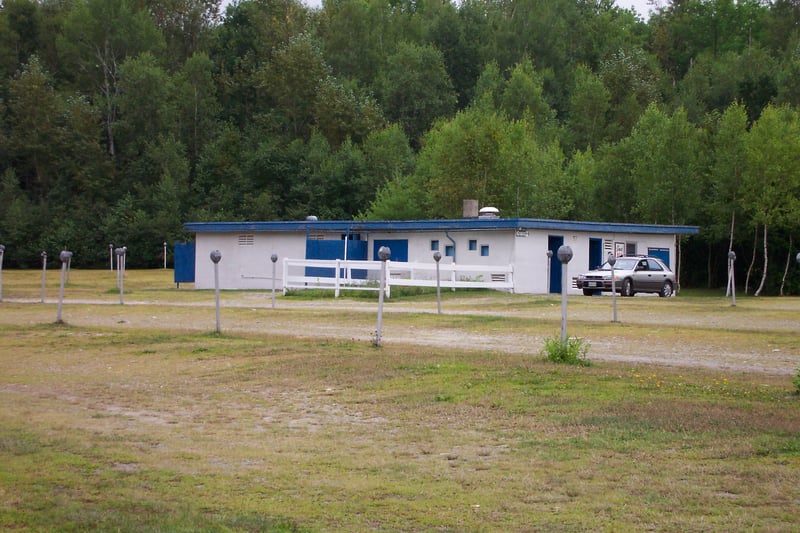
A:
x: 796, y: 381
x: 572, y: 352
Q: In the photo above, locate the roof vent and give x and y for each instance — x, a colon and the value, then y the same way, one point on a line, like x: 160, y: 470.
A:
x: 311, y: 218
x: 489, y: 212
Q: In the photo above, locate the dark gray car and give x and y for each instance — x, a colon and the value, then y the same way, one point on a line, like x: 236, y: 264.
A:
x: 632, y: 275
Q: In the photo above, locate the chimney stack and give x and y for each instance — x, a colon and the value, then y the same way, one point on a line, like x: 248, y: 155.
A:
x: 470, y: 208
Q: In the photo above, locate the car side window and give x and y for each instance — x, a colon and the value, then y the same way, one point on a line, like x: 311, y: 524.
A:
x: 642, y: 265
x: 653, y: 265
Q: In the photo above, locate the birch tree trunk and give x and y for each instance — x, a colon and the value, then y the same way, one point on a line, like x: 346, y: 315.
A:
x: 788, y: 262
x: 752, y: 262
x: 766, y: 261
x: 730, y: 249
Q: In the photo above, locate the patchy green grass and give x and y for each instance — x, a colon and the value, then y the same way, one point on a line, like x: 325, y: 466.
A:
x: 146, y: 430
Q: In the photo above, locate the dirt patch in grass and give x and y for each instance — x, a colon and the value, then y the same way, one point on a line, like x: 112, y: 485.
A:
x: 758, y: 335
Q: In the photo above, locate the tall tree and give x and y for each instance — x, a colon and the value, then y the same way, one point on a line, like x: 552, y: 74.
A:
x: 460, y: 158
x: 632, y: 79
x: 36, y: 128
x: 342, y: 111
x: 668, y: 167
x: 251, y: 31
x: 727, y: 173
x: 588, y: 109
x: 291, y: 81
x: 196, y: 103
x: 771, y: 186
x: 24, y: 26
x: 524, y: 97
x: 415, y: 90
x: 186, y: 24
x: 145, y: 104
x: 668, y: 170
x: 355, y: 37
x: 97, y: 37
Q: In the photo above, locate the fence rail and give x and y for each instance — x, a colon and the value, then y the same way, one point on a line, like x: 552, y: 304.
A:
x: 339, y: 274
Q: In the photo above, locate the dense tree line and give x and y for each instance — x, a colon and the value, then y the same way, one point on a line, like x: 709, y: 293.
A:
x: 122, y: 119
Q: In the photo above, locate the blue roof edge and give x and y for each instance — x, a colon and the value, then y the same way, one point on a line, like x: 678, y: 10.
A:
x: 462, y: 224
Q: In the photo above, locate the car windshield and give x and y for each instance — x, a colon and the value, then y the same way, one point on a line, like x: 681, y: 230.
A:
x: 621, y: 264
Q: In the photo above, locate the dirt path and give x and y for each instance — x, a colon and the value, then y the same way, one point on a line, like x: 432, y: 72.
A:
x: 758, y: 336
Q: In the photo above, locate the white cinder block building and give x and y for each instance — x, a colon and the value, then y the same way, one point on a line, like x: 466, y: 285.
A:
x: 521, y: 243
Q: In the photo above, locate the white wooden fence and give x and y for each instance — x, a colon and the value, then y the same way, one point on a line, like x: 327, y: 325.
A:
x: 451, y: 275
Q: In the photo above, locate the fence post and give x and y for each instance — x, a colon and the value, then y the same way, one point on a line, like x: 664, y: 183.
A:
x: 336, y: 279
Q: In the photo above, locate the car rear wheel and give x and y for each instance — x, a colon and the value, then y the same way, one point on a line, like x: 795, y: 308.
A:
x: 627, y: 287
x: 666, y: 289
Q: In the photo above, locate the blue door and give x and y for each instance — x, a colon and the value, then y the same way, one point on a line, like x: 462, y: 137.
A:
x: 330, y: 249
x: 661, y: 253
x: 595, y: 253
x: 184, y: 262
x: 399, y: 248
x: 553, y: 243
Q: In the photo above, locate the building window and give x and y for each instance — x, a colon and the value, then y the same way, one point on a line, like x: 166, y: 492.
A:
x: 473, y: 245
x: 248, y: 239
x: 484, y: 250
x: 449, y: 250
x: 630, y: 248
x: 434, y: 245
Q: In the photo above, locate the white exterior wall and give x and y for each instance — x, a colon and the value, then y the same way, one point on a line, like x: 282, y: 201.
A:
x: 246, y: 266
x: 501, y: 247
x: 530, y: 266
x: 530, y: 262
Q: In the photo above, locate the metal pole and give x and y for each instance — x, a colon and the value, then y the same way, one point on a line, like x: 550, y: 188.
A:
x: 563, y: 303
x: 121, y: 272
x: 613, y: 261
x: 65, y: 256
x: 274, y: 259
x: 215, y: 258
x: 564, y: 254
x: 44, y: 272
x: 549, y: 262
x: 111, y: 257
x: 165, y: 255
x: 383, y: 254
x: 437, y: 256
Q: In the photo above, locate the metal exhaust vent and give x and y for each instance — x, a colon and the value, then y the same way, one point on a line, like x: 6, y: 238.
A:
x: 489, y: 212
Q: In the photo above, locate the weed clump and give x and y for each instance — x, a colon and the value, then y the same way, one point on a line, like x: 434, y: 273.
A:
x: 572, y: 351
x: 796, y: 381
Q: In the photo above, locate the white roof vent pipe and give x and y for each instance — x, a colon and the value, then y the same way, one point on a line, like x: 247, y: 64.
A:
x: 489, y: 212
x: 311, y: 218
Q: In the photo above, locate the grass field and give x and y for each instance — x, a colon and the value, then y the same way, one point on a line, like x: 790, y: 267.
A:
x: 138, y: 417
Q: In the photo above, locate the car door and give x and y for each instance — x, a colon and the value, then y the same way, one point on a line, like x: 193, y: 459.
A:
x: 657, y: 274
x: 641, y: 276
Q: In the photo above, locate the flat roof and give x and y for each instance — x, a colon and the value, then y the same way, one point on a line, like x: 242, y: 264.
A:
x: 460, y: 224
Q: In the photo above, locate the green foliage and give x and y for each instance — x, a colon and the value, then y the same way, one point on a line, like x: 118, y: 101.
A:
x: 414, y: 88
x: 572, y: 351
x: 392, y: 110
x: 796, y: 381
